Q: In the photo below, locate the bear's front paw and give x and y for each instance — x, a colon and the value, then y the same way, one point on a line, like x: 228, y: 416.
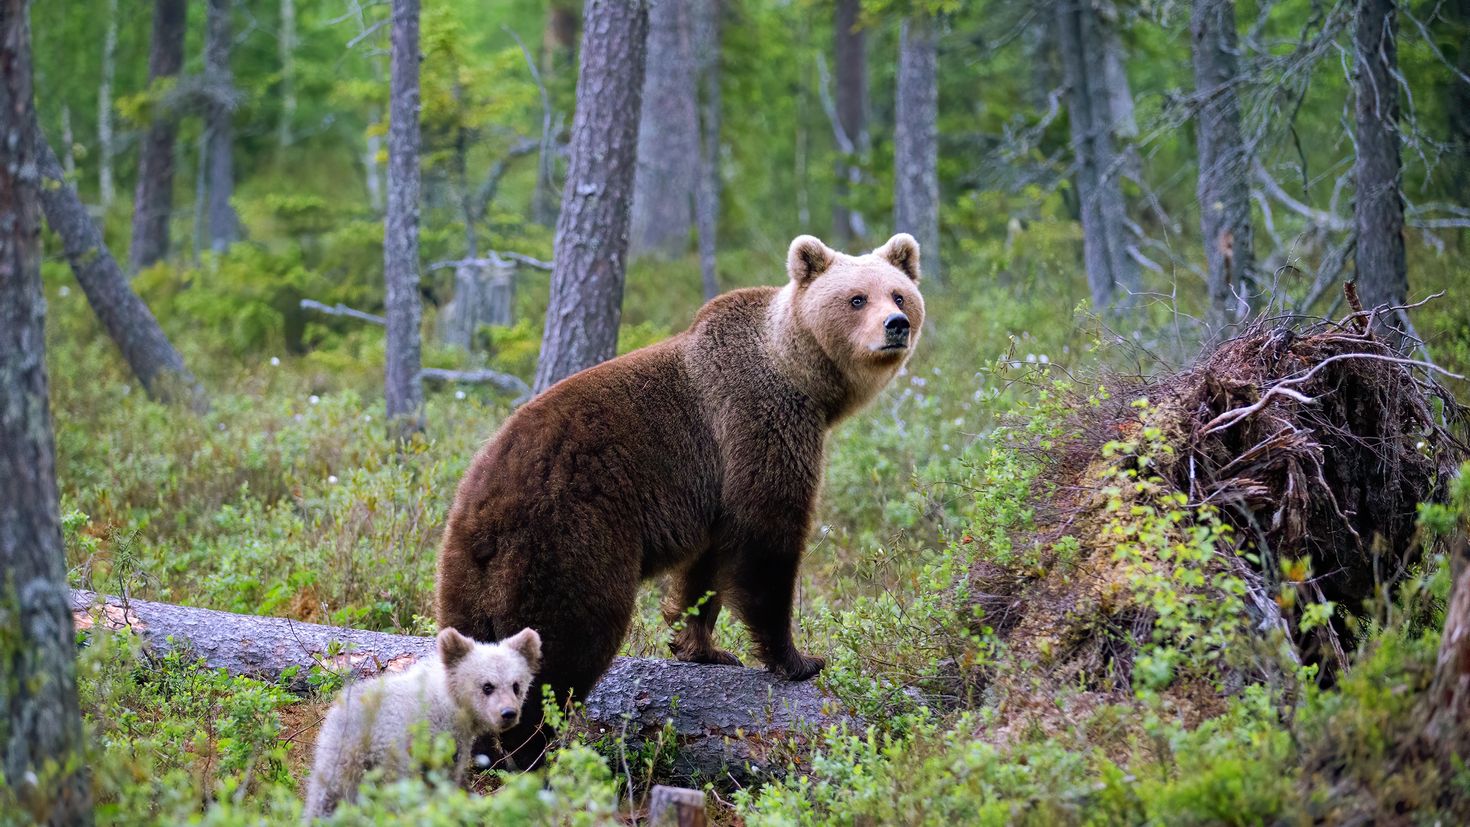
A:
x: 718, y: 657
x: 798, y: 667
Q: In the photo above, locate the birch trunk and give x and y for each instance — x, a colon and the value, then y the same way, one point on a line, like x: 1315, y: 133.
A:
x: 153, y: 200
x: 106, y: 187
x: 404, y: 388
x: 916, y: 140
x: 1224, y: 164
x: 1378, y: 209
x: 224, y: 225
x: 668, y: 136
x: 40, y: 722
x: 592, y: 232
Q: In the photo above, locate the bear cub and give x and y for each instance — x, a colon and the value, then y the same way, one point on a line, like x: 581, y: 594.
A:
x: 470, y: 690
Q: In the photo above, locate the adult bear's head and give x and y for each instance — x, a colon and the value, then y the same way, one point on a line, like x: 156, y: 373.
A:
x: 863, y: 312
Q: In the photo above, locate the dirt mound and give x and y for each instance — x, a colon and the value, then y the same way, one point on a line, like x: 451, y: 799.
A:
x: 1279, y: 475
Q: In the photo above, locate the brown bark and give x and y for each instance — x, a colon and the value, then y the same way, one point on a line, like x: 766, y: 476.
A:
x: 127, y: 320
x: 1112, y: 275
x: 916, y: 140
x: 722, y: 716
x: 404, y: 389
x: 1378, y: 209
x: 707, y: 24
x: 40, y: 722
x: 668, y: 135
x: 592, y: 232
x: 1224, y: 163
x: 224, y: 225
x: 154, y: 198
x: 850, y: 54
x: 1448, y: 701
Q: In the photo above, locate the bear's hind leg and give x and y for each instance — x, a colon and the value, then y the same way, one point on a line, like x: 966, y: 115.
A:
x: 762, y: 589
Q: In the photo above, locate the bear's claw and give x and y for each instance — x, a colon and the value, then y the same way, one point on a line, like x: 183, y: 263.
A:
x: 799, y: 667
x: 718, y: 657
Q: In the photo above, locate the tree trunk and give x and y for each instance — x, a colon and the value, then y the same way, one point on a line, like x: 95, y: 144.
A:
x: 40, y: 723
x: 127, y: 320
x: 1378, y: 210
x: 1224, y: 165
x: 916, y: 140
x: 707, y: 22
x: 224, y: 225
x: 850, y: 53
x: 287, y: 46
x: 668, y: 135
x: 153, y: 201
x: 592, y: 233
x: 722, y: 716
x: 1112, y: 275
x: 405, y: 391
x: 558, y: 57
x: 1448, y: 703
x: 106, y: 187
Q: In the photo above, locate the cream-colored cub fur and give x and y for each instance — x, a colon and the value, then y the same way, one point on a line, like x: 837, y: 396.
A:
x: 469, y: 690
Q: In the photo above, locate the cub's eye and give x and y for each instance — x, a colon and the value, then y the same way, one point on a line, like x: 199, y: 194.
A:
x: 859, y: 301
x: 898, y: 299
x: 516, y: 688
x: 489, y: 688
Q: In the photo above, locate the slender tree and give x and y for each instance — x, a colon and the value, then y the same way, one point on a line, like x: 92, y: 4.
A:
x: 224, y: 225
x: 592, y: 231
x: 1112, y: 275
x: 668, y: 135
x: 154, y: 198
x: 127, y: 320
x: 405, y: 390
x: 850, y: 53
x: 916, y: 139
x: 106, y: 187
x: 40, y: 722
x: 707, y: 26
x: 1224, y: 162
x: 1378, y: 209
x: 286, y: 45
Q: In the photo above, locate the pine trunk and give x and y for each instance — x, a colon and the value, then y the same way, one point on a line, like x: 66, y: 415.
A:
x: 916, y: 140
x: 153, y: 201
x: 1378, y: 210
x: 404, y: 388
x: 592, y: 231
x: 106, y: 187
x: 707, y: 24
x: 850, y: 53
x: 1112, y: 275
x: 40, y: 723
x: 1224, y: 186
x: 224, y: 225
x: 668, y: 135
x: 127, y: 320
x: 1448, y: 702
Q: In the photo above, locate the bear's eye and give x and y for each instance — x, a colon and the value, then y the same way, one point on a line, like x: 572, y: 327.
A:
x: 489, y: 688
x: 859, y: 301
x: 516, y: 688
x: 898, y: 299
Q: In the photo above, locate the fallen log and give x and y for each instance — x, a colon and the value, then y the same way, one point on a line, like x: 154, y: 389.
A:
x: 724, y: 720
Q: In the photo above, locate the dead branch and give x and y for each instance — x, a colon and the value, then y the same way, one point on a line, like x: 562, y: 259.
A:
x: 340, y: 309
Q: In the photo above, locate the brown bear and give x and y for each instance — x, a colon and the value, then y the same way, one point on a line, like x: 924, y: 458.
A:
x: 700, y: 457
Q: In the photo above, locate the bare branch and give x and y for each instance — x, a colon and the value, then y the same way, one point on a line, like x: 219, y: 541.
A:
x: 340, y: 309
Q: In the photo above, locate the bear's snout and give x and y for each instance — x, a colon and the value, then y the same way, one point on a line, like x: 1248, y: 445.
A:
x: 896, y: 329
x: 508, y: 715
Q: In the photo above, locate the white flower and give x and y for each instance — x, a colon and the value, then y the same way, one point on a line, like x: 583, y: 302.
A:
x: 221, y: 427
x: 1030, y: 358
x: 313, y: 399
x: 459, y: 394
x: 936, y: 371
x: 331, y: 479
x: 919, y: 382
x: 275, y: 361
x: 367, y: 417
x: 63, y: 291
x: 1044, y: 359
x: 127, y: 389
x: 482, y: 760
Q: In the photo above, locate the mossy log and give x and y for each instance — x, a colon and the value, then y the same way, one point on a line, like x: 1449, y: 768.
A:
x: 723, y: 720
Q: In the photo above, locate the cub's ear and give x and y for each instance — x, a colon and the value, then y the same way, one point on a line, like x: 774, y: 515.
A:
x: 902, y: 251
x: 807, y: 259
x: 528, y: 643
x: 453, y: 646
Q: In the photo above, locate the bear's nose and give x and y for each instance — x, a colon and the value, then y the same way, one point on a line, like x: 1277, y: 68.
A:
x: 896, y: 323
x: 508, y: 714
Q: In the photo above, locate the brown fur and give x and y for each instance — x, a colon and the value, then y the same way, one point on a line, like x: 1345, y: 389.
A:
x: 700, y: 456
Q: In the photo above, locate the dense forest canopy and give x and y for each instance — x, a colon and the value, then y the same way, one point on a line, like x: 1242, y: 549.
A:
x: 1164, y: 521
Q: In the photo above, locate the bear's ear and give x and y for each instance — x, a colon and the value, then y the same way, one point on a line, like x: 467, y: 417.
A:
x: 453, y: 646
x: 902, y: 251
x: 807, y: 259
x: 528, y: 643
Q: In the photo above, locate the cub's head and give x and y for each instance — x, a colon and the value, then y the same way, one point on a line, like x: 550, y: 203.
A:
x: 489, y: 681
x: 864, y: 311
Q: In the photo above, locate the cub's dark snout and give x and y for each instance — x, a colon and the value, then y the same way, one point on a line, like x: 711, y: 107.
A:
x: 508, y: 714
